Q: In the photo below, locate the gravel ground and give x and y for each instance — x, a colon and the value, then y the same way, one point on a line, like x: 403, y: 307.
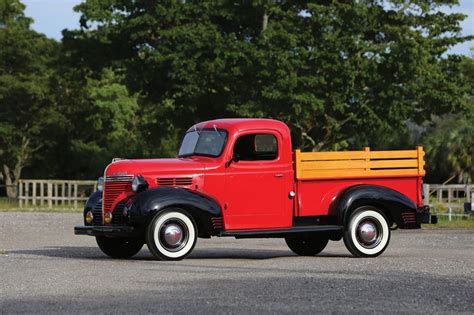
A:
x: 45, y: 268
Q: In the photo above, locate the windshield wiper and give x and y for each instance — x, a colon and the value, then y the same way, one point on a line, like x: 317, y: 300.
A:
x: 215, y: 129
x: 197, y: 130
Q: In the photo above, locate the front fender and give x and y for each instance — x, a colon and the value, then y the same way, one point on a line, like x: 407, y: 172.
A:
x: 394, y: 204
x: 145, y: 205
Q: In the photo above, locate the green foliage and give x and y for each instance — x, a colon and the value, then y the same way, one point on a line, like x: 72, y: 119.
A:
x: 450, y: 147
x: 28, y: 116
x: 110, y: 118
x: 336, y: 72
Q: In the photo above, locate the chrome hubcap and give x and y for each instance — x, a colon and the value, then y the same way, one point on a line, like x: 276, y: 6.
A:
x: 369, y: 233
x: 173, y: 235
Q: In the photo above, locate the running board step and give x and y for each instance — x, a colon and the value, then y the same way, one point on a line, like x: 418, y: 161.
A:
x: 282, y: 232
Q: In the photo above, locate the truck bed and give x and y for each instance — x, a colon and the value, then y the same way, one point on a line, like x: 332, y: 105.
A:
x: 321, y: 176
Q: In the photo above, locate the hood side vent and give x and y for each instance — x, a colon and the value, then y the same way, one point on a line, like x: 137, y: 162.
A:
x: 174, y: 181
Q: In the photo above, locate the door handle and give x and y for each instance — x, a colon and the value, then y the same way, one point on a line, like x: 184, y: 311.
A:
x: 279, y: 175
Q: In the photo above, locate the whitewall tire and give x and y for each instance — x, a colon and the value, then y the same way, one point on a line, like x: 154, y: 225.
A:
x: 172, y: 234
x: 367, y: 233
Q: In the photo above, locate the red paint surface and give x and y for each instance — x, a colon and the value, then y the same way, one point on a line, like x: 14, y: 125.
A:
x: 252, y: 194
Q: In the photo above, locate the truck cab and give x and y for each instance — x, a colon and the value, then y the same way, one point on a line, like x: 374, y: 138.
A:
x: 240, y: 178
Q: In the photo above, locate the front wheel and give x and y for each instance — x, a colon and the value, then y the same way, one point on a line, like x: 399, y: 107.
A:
x: 367, y: 233
x: 309, y: 245
x: 119, y: 247
x: 171, y: 235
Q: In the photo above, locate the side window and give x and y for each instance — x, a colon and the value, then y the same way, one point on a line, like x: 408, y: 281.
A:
x: 256, y: 147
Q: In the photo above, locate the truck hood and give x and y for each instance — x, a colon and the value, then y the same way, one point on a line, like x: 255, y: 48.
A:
x: 155, y: 167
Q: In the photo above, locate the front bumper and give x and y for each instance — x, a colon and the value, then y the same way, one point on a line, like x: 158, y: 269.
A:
x: 111, y: 231
x: 427, y: 217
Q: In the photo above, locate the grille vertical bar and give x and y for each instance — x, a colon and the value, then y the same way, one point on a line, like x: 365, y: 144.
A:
x: 113, y: 187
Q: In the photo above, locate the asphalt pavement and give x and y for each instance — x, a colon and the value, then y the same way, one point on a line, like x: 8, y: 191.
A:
x: 45, y: 268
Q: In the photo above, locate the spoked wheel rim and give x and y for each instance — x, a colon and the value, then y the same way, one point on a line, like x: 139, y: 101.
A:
x: 173, y: 235
x: 369, y: 233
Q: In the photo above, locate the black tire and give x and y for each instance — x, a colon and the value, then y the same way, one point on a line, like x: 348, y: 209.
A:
x: 367, y: 232
x: 172, y: 234
x: 119, y: 247
x: 307, y: 245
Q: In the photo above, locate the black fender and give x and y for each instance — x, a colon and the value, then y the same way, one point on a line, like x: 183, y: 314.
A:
x: 145, y: 205
x: 391, y: 202
x: 93, y: 199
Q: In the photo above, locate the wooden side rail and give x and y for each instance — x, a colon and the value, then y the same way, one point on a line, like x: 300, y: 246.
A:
x: 359, y: 163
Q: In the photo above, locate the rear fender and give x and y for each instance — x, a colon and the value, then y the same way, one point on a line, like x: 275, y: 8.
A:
x: 393, y: 204
x: 144, y: 206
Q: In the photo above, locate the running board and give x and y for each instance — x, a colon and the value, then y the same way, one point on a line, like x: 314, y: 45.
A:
x: 282, y: 232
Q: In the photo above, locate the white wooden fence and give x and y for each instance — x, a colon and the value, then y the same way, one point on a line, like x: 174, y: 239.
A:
x: 36, y: 193
x: 449, y: 197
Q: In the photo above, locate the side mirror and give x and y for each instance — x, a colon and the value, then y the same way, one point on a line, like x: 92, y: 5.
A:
x: 235, y: 159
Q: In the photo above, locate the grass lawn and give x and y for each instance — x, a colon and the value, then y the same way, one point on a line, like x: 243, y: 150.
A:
x: 7, y: 205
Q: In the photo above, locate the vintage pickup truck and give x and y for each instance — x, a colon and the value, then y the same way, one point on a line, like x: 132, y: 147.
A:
x: 240, y: 178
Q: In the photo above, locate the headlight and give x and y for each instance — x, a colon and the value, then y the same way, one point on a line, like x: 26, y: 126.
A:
x: 100, y: 184
x: 139, y: 184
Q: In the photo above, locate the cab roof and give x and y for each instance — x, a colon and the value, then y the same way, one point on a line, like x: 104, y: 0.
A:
x: 236, y: 124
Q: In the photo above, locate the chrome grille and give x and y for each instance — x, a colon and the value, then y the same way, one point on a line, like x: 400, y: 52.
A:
x: 117, y: 215
x: 409, y: 218
x: 217, y: 223
x: 174, y: 181
x: 97, y: 213
x: 113, y: 187
x: 119, y: 178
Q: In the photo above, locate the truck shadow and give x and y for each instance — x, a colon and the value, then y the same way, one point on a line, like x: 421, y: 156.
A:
x: 92, y: 253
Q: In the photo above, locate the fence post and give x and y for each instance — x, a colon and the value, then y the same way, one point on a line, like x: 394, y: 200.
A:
x: 450, y: 213
x: 27, y: 192
x: 75, y: 196
x: 69, y: 194
x: 426, y: 194
x: 50, y: 195
x: 20, y: 193
x: 41, y: 192
x: 63, y: 192
x: 34, y: 193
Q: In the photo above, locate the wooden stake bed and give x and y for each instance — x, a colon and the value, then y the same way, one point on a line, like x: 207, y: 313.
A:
x: 359, y: 163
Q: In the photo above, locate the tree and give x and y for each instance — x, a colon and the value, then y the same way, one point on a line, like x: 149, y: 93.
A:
x: 27, y: 114
x: 110, y: 121
x: 338, y: 72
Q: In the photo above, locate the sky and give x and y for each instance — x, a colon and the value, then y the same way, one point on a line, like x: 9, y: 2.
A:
x: 52, y: 16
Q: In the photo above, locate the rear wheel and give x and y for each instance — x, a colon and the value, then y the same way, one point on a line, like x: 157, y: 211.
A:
x: 367, y: 233
x: 172, y: 234
x: 119, y: 247
x: 308, y: 245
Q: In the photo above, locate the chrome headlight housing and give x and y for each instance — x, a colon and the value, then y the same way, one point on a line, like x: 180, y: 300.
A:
x: 100, y: 184
x: 139, y: 184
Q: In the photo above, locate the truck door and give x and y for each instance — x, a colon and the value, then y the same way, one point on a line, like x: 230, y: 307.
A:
x: 256, y: 183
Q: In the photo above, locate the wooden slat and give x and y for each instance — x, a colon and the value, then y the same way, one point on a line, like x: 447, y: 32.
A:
x: 333, y: 165
x: 399, y: 154
x: 327, y: 156
x: 359, y: 163
x: 393, y: 164
x: 357, y: 173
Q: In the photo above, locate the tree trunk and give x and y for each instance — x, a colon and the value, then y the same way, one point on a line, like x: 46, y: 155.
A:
x: 264, y: 22
x: 11, y: 177
x: 11, y: 182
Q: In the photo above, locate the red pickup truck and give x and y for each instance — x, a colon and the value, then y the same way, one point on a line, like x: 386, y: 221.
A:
x: 240, y: 178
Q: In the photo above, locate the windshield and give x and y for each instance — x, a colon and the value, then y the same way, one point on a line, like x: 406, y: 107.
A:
x: 207, y: 142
